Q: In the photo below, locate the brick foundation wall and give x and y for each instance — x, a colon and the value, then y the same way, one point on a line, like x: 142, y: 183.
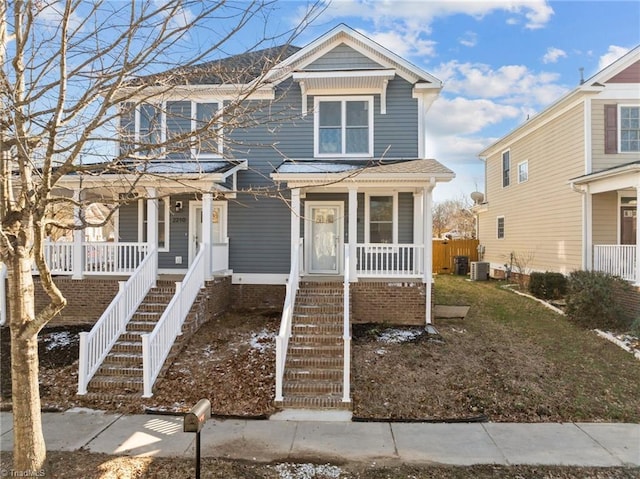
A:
x: 219, y: 296
x: 257, y: 296
x: 389, y: 302
x: 86, y: 299
x: 630, y: 301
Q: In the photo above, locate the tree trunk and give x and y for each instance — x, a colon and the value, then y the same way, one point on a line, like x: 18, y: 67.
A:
x: 27, y: 424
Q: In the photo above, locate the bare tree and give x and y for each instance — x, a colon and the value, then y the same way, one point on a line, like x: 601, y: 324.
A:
x: 453, y: 215
x: 68, y: 67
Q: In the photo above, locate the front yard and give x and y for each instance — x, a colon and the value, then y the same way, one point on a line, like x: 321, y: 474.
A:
x: 510, y: 359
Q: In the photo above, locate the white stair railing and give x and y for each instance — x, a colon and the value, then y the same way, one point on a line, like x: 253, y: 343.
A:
x: 282, y: 340
x: 346, y: 376
x: 157, y: 344
x: 96, y: 344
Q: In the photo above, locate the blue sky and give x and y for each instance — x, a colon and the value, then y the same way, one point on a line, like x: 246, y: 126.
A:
x: 499, y: 60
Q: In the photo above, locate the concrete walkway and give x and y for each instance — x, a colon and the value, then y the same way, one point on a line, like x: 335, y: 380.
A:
x: 576, y: 444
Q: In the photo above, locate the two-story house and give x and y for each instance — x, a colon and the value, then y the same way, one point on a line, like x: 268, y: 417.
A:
x: 562, y: 189
x: 320, y: 205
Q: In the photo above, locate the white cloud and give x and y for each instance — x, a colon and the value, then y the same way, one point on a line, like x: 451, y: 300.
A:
x: 613, y: 53
x: 513, y: 84
x: 462, y: 116
x: 470, y: 39
x: 404, y: 44
x: 553, y: 55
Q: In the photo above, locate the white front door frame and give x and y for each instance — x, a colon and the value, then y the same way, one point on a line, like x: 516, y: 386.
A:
x: 195, y: 206
x: 309, y: 240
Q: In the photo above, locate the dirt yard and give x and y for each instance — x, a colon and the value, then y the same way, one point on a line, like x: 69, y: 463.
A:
x: 509, y: 360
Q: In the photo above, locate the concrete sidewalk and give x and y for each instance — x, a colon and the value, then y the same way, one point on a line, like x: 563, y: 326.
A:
x: 575, y: 444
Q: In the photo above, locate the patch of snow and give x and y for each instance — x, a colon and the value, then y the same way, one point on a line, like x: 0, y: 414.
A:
x: 381, y: 352
x: 627, y: 342
x: 396, y: 336
x: 262, y: 340
x: 58, y: 340
x: 315, y: 167
x: 307, y: 471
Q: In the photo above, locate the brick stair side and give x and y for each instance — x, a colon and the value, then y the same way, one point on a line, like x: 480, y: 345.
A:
x: 314, y: 367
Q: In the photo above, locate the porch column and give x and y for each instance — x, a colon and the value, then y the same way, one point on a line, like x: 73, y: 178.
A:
x: 207, y: 215
x: 353, y: 233
x: 295, y: 225
x: 427, y: 234
x: 587, y: 251
x: 418, y: 218
x: 152, y: 223
x: 638, y: 232
x: 78, y: 236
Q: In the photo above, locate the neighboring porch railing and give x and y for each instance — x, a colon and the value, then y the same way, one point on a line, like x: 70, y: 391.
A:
x: 220, y: 256
x: 99, y: 258
x: 617, y: 260
x: 3, y: 294
x: 389, y: 260
x: 157, y: 344
x: 282, y: 340
x: 96, y: 344
x: 346, y: 375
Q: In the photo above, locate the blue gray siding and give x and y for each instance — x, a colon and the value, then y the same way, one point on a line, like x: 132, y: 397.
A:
x: 343, y: 57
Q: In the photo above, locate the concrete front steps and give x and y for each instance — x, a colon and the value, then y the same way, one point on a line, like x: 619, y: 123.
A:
x: 121, y: 372
x: 314, y: 368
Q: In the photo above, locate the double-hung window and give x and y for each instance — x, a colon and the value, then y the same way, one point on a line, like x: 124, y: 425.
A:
x: 343, y: 126
x: 500, y: 227
x: 163, y: 223
x: 382, y: 219
x: 150, y: 128
x: 506, y: 168
x: 629, y: 129
x: 523, y: 171
x: 209, y: 136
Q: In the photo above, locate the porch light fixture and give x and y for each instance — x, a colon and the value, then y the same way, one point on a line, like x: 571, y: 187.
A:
x: 178, y: 206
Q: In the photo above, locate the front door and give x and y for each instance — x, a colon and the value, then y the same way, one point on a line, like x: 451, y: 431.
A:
x: 628, y: 224
x: 323, y: 237
x: 195, y: 229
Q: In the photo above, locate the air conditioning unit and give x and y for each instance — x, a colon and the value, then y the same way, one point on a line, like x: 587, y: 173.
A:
x: 479, y: 271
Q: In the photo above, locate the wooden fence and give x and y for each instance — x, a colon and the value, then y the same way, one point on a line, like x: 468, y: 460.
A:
x: 444, y: 252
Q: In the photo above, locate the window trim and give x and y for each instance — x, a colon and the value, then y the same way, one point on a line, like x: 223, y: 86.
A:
x: 367, y: 214
x: 142, y: 229
x: 194, y: 119
x: 619, y: 128
x: 316, y: 125
x: 163, y: 124
x: 507, y: 171
x: 498, y: 218
x: 525, y: 163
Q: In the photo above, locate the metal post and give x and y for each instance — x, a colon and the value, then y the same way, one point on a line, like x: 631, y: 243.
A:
x: 198, y: 455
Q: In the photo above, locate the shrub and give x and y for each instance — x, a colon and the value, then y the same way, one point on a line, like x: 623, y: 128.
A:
x: 548, y: 285
x: 592, y: 300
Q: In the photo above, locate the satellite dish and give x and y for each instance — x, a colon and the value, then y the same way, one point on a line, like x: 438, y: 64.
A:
x: 477, y: 197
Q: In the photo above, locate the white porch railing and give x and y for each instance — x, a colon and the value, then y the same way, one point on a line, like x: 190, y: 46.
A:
x: 389, y: 260
x: 157, y: 344
x: 617, y: 260
x: 346, y: 375
x: 104, y: 258
x: 220, y: 256
x: 96, y: 344
x: 282, y: 340
x: 112, y: 258
x: 3, y: 294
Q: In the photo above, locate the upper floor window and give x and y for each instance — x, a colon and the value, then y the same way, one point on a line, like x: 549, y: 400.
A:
x: 344, y: 126
x: 629, y: 128
x: 506, y: 168
x: 170, y: 123
x: 523, y: 171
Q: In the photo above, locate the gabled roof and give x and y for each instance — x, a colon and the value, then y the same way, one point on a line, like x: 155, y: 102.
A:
x: 591, y: 86
x: 359, y: 42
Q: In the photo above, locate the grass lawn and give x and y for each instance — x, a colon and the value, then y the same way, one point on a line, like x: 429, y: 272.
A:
x: 510, y: 359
